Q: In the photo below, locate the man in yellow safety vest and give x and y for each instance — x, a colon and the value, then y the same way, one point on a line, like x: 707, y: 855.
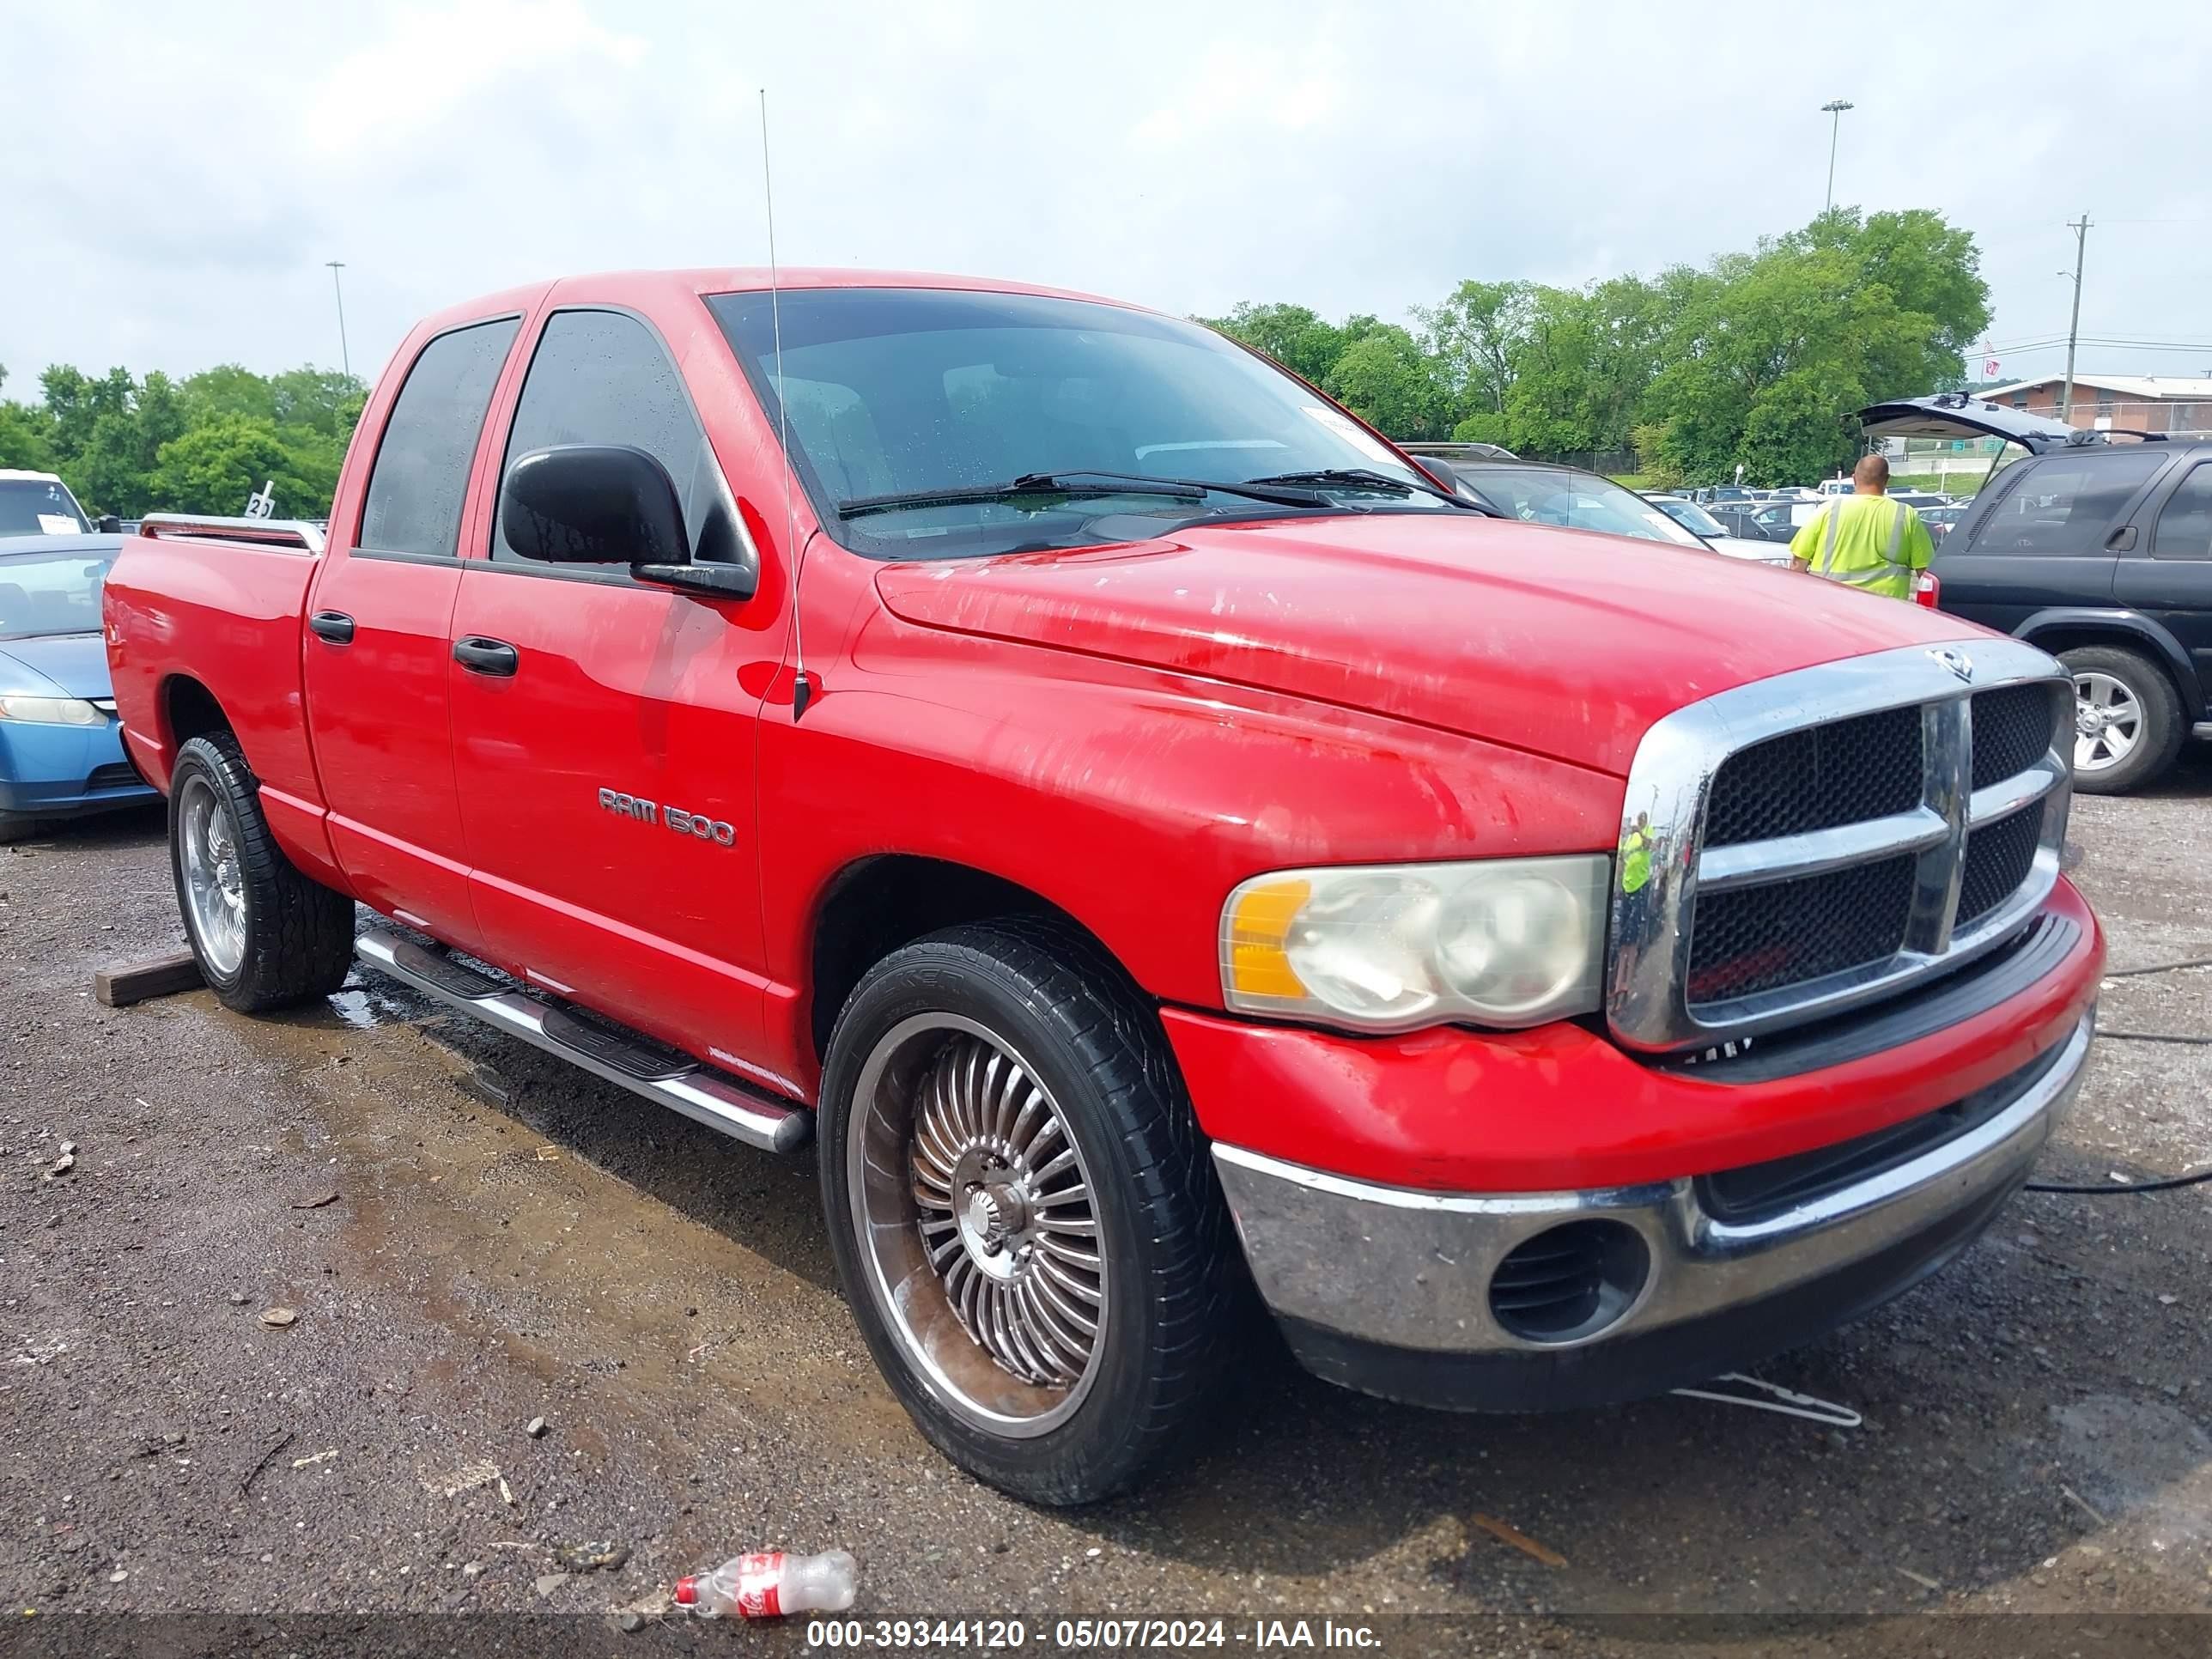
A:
x: 1864, y: 539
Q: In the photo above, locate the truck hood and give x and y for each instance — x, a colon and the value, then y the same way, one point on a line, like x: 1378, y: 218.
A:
x: 75, y: 665
x: 1563, y: 643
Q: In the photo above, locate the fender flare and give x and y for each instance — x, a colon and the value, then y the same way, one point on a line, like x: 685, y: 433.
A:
x: 2115, y: 620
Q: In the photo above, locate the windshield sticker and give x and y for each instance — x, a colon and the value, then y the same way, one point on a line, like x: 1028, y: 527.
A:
x: 1144, y: 450
x: 1355, y: 435
x: 56, y: 523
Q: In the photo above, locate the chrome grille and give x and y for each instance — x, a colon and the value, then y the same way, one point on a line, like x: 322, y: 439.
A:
x: 2012, y: 729
x: 1999, y: 857
x: 1760, y: 939
x: 1817, y: 778
x: 1827, y: 837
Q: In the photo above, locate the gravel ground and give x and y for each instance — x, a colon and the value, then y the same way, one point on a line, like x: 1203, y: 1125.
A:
x: 470, y: 1236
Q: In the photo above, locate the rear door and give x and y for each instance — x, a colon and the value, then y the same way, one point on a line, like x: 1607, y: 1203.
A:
x: 2045, y: 538
x: 376, y: 646
x: 603, y: 733
x: 2167, y: 575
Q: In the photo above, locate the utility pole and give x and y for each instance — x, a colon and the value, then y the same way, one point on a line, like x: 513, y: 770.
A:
x: 1833, y: 109
x: 2081, y: 229
x: 345, y: 357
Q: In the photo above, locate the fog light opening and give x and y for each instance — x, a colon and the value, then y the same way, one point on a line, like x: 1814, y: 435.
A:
x: 1569, y: 1282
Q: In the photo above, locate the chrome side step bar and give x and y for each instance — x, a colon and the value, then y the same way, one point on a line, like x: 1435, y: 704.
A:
x: 718, y: 1102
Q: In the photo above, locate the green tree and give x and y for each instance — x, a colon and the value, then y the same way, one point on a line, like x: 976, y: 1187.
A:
x: 215, y: 464
x: 1293, y: 336
x: 230, y: 389
x: 1388, y: 381
x: 1769, y: 356
x: 75, y: 402
x: 1476, y: 335
x: 114, y: 471
x: 26, y: 438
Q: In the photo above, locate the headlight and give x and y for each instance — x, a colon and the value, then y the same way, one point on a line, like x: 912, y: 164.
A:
x: 51, y: 711
x: 1508, y: 942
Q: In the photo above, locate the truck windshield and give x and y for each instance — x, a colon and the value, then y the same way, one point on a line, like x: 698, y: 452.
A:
x: 48, y: 594
x: 948, y: 397
x: 39, y: 507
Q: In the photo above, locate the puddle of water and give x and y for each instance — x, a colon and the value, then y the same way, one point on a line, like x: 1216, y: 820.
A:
x: 365, y: 1006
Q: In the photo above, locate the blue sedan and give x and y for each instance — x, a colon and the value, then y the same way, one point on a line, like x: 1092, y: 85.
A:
x: 61, y: 747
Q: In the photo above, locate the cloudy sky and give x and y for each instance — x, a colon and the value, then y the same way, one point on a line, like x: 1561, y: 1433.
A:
x: 175, y: 186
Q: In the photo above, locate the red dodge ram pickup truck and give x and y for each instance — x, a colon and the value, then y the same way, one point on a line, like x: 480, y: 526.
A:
x: 1160, y: 840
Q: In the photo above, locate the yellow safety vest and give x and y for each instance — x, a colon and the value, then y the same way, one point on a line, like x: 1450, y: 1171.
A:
x: 1876, y: 552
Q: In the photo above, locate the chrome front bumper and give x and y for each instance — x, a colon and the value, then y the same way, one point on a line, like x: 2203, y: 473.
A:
x: 1387, y: 1289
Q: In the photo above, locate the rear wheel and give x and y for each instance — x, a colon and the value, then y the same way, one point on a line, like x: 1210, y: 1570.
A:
x: 264, y: 935
x: 1022, y: 1211
x: 15, y: 827
x: 2128, y: 726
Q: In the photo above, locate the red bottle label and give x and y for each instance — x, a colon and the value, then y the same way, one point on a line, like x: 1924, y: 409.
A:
x: 758, y: 1578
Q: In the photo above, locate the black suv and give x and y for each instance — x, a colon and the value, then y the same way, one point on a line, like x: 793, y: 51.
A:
x: 2101, y: 552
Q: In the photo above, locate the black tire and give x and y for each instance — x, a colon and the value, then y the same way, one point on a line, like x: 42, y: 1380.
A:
x: 2162, y: 727
x: 299, y: 933
x: 15, y: 827
x: 1174, y: 1286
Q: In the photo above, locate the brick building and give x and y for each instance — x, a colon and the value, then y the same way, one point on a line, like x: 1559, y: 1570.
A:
x: 2142, y: 403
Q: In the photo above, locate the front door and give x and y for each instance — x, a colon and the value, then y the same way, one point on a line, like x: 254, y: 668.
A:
x: 604, y: 744
x: 2168, y: 574
x: 377, y: 686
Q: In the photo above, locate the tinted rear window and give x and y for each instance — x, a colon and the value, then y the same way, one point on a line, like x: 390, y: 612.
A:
x: 2185, y: 523
x: 422, y: 474
x: 2064, y: 504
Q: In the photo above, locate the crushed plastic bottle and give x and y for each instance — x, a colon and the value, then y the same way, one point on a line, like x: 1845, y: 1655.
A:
x: 768, y: 1585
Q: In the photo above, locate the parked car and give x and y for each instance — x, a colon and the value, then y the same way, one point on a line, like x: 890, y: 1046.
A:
x: 1781, y: 519
x: 1939, y: 519
x: 61, y: 754
x: 1740, y: 519
x: 1718, y: 495
x: 38, y: 504
x: 1715, y: 534
x: 1461, y: 451
x: 2098, y: 550
x: 1919, y: 499
x: 1540, y: 492
x: 1156, y: 823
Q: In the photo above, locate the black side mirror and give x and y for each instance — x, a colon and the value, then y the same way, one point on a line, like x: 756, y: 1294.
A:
x: 1440, y: 473
x: 608, y: 504
x: 107, y: 524
x: 593, y: 504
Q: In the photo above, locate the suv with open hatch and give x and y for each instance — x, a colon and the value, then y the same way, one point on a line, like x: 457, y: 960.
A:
x: 2098, y: 547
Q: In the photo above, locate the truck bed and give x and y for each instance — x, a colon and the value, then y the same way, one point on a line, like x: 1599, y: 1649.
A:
x: 199, y: 608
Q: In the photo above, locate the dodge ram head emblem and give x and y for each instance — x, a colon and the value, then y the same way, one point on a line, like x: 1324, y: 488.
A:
x: 1957, y: 661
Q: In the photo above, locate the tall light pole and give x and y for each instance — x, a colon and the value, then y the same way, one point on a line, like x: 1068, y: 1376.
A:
x: 345, y: 357
x: 1833, y: 109
x: 2081, y: 229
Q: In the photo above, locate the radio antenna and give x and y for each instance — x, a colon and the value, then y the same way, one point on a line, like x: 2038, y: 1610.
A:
x: 802, y: 688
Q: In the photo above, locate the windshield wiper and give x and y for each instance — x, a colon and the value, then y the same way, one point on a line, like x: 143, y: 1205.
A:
x: 1029, y: 484
x: 1362, y: 478
x: 1288, y: 490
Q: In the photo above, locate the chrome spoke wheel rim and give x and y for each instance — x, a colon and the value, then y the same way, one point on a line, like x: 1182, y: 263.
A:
x: 215, y: 885
x: 979, y: 1229
x: 2107, y: 722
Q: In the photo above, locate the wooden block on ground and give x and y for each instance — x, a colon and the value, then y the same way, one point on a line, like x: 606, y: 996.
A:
x: 136, y: 981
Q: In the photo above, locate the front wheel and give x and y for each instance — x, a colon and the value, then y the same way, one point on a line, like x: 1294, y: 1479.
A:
x: 2127, y: 719
x: 264, y: 935
x: 1022, y: 1211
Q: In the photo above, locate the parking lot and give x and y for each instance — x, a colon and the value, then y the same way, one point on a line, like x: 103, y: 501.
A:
x: 470, y: 1236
